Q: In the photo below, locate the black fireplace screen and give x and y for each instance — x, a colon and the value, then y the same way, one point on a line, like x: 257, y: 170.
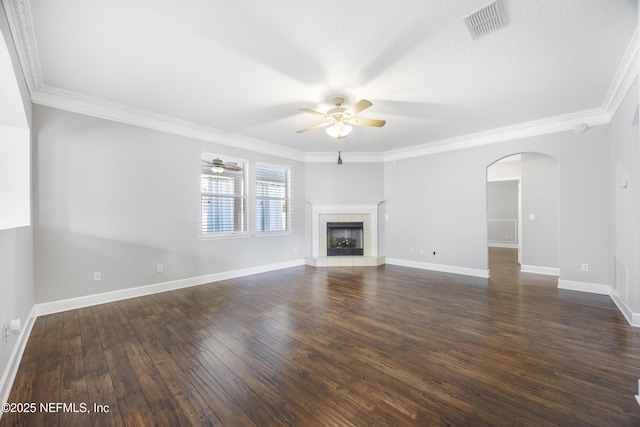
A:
x: 345, y: 238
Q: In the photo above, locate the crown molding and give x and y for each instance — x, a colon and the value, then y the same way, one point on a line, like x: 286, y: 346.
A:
x: 625, y: 76
x: 78, y: 103
x: 70, y: 101
x: 21, y: 25
x: 594, y: 117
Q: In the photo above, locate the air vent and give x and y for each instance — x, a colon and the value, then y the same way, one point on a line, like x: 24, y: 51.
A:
x: 484, y: 20
x: 621, y: 278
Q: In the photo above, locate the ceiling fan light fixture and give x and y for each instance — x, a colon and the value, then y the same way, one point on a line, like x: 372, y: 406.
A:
x: 339, y: 130
x: 217, y: 166
x: 340, y: 120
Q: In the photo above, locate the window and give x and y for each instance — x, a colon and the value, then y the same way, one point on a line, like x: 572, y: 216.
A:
x: 273, y: 198
x: 223, y: 195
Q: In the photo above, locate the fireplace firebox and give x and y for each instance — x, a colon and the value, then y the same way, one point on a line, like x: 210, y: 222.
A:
x: 345, y: 238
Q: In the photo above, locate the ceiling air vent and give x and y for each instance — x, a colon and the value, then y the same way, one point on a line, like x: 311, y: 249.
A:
x: 484, y: 20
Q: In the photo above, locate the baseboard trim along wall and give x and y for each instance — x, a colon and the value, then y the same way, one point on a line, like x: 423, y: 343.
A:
x: 549, y: 271
x: 503, y: 245
x: 632, y: 318
x: 475, y: 272
x: 89, y: 300
x: 594, y: 288
x: 9, y: 374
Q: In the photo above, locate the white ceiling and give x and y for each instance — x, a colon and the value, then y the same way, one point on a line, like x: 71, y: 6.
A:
x: 244, y: 67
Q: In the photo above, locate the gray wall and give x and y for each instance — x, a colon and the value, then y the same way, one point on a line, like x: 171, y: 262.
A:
x: 346, y: 182
x: 438, y: 202
x: 625, y: 164
x: 540, y: 237
x: 16, y: 283
x: 121, y: 199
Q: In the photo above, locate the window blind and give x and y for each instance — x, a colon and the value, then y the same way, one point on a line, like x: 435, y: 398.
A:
x: 273, y: 198
x: 223, y: 198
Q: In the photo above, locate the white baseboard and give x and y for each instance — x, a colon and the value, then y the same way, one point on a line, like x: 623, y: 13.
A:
x: 10, y: 371
x: 503, y: 245
x: 549, y: 271
x: 89, y: 300
x: 632, y: 318
x: 475, y: 272
x: 345, y: 261
x: 594, y: 288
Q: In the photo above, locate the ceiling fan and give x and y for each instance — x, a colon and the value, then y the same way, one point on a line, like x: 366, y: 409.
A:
x: 341, y: 119
x: 218, y: 166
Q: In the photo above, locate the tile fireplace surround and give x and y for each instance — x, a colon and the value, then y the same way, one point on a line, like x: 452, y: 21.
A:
x: 338, y: 211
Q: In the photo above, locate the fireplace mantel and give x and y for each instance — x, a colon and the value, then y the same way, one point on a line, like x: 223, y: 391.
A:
x: 369, y: 209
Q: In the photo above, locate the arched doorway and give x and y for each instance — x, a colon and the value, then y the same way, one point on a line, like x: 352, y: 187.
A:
x: 523, y: 211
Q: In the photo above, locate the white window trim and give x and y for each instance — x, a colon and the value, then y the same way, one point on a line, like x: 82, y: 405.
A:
x: 289, y: 221
x: 224, y: 235
x: 230, y: 234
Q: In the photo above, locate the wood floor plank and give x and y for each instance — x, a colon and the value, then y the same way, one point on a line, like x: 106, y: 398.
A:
x: 165, y: 409
x: 100, y: 388
x: 46, y: 389
x: 73, y: 376
x: 134, y: 408
x: 256, y: 376
x: 186, y: 394
x: 349, y: 346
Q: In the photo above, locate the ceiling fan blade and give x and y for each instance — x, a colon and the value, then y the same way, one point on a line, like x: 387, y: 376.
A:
x: 359, y: 106
x: 314, y: 112
x: 367, y: 122
x: 232, y: 166
x: 314, y: 127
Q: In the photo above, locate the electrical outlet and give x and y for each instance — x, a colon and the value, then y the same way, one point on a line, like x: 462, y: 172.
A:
x: 160, y: 268
x: 413, y: 250
x: 421, y: 251
x: 585, y: 266
x: 97, y: 276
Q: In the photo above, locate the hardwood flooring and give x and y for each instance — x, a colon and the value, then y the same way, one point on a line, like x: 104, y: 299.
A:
x: 350, y: 346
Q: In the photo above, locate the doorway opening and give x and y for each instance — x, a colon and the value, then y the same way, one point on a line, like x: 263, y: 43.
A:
x: 523, y: 211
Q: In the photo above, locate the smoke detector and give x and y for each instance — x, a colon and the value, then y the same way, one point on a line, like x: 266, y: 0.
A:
x: 484, y: 20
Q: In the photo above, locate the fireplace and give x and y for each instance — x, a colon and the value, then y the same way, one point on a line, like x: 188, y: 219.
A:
x: 345, y: 238
x: 356, y: 248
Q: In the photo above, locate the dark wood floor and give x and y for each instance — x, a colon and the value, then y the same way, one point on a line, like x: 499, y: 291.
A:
x: 339, y: 347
